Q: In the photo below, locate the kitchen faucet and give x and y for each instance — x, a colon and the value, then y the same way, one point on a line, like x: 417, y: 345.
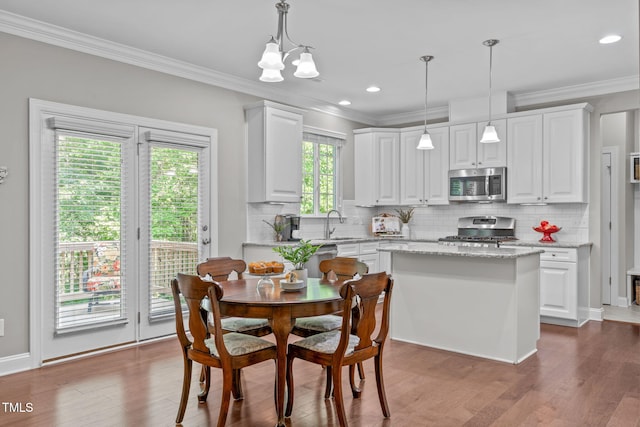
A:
x: 327, y: 231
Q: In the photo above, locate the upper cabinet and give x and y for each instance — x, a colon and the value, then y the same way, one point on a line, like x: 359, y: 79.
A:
x: 424, y: 173
x: 547, y: 156
x: 274, y: 133
x: 377, y: 178
x: 467, y: 152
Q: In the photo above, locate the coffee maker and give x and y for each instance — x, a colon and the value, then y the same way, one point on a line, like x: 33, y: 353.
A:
x: 291, y: 226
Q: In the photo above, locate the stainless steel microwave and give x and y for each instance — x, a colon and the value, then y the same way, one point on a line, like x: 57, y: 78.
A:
x: 478, y: 185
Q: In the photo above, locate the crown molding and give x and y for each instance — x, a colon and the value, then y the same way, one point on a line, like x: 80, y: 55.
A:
x: 603, y: 87
x: 413, y: 116
x: 58, y: 36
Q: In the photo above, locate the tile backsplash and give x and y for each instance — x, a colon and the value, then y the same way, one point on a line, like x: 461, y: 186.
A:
x: 429, y: 222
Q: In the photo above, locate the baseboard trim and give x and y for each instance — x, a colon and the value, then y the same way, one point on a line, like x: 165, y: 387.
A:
x: 15, y: 363
x: 596, y: 314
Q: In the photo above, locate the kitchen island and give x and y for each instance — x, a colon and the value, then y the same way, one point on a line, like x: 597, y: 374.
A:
x: 478, y: 301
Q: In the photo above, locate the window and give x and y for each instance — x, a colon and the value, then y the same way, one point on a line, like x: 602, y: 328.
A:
x: 320, y: 167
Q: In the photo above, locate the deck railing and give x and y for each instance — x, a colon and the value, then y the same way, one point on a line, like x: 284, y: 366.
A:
x: 167, y: 259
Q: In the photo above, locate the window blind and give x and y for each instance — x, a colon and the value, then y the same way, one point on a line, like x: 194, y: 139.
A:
x: 89, y: 206
x: 174, y: 210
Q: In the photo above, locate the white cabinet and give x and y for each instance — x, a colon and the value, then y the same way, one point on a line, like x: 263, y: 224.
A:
x: 524, y: 159
x: 366, y: 252
x: 564, y: 156
x: 377, y: 159
x: 558, y: 290
x: 424, y: 173
x: 547, y: 157
x: 274, y: 152
x: 467, y: 152
x: 564, y: 285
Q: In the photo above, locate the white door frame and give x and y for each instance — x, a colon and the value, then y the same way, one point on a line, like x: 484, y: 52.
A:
x: 609, y: 210
x: 37, y: 111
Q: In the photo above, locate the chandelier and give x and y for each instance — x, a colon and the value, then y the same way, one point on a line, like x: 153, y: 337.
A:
x: 275, y: 53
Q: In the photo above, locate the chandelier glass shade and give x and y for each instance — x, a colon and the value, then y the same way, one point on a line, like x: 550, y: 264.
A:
x: 425, y: 142
x: 275, y: 52
x: 489, y: 134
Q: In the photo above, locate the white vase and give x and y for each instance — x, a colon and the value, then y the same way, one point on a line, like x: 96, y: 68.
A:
x: 406, y: 231
x: 301, y: 274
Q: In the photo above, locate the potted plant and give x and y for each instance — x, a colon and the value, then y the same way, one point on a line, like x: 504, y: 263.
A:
x: 298, y: 255
x: 405, y: 217
x: 278, y: 227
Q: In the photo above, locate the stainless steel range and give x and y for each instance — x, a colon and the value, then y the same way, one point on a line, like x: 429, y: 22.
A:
x: 482, y: 231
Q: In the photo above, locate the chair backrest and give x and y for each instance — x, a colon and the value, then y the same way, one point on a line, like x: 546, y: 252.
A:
x: 194, y: 290
x: 344, y: 268
x: 221, y: 268
x: 366, y: 291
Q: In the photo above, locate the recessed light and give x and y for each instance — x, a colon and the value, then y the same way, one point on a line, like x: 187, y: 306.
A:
x: 373, y: 89
x: 345, y: 102
x: 612, y: 38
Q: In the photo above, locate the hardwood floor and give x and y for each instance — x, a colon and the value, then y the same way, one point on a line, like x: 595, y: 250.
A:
x: 579, y: 377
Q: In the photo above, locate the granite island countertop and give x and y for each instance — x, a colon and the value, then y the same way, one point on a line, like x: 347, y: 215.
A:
x: 465, y: 251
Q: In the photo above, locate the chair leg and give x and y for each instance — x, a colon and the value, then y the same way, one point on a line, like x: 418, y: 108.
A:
x: 337, y: 396
x: 289, y: 377
x: 361, y: 370
x: 206, y: 384
x: 237, y: 385
x: 202, y: 377
x: 227, y: 385
x: 352, y: 381
x: 380, y: 383
x: 186, y: 384
x: 327, y: 389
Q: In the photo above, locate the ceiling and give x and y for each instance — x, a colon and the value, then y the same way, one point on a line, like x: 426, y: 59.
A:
x: 548, y: 48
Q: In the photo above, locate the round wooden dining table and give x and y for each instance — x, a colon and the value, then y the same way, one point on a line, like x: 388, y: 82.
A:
x: 248, y: 298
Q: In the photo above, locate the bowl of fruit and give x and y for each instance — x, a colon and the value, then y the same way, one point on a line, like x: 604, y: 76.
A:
x: 547, y: 230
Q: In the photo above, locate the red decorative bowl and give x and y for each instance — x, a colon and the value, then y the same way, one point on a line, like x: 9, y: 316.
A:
x: 546, y: 233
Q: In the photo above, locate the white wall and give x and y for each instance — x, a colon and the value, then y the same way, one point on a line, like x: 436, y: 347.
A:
x: 32, y: 69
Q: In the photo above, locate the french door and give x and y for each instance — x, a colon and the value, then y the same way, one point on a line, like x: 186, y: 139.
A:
x: 174, y: 227
x: 123, y: 206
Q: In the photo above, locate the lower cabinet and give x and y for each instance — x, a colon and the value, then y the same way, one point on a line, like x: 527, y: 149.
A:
x: 558, y: 290
x: 564, y: 286
x: 366, y: 252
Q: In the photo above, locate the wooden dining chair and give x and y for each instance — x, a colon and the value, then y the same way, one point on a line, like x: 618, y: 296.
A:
x: 338, y: 268
x: 347, y: 346
x: 228, y: 351
x: 220, y: 269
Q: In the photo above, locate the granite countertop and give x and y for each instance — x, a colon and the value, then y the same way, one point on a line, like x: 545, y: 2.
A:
x: 466, y: 251
x: 364, y: 239
x: 537, y: 243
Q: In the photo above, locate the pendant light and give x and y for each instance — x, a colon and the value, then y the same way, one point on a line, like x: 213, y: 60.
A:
x: 275, y: 53
x: 490, y: 135
x: 425, y: 140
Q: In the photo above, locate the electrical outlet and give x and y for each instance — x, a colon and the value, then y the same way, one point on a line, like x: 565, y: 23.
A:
x: 1, y: 327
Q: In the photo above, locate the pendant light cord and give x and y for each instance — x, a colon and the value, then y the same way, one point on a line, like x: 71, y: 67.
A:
x: 490, y: 43
x: 426, y: 60
x: 490, y: 73
x: 426, y: 91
